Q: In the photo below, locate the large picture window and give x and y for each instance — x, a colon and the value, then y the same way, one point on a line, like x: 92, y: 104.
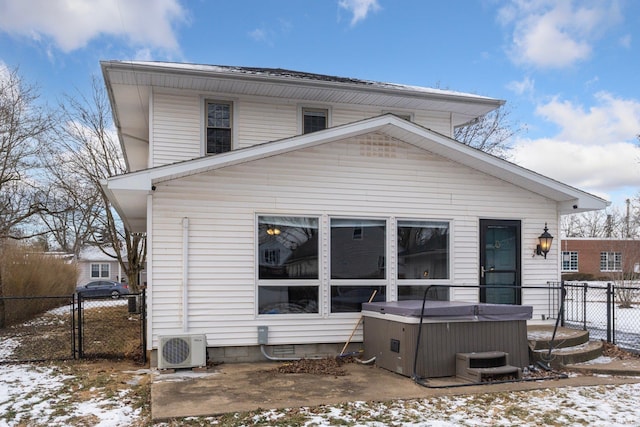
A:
x: 358, y: 257
x: 288, y: 267
x: 423, y: 254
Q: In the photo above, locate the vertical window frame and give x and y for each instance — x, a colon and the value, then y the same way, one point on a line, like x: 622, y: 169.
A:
x: 285, y: 284
x: 206, y: 127
x: 355, y: 290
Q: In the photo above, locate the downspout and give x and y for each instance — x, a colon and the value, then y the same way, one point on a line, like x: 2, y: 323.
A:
x: 185, y: 274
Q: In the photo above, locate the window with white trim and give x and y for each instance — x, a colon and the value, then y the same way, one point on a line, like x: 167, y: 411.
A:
x: 218, y: 132
x: 610, y: 261
x: 423, y: 255
x: 288, y: 264
x: 569, y: 261
x: 100, y: 270
x: 358, y: 262
x: 314, y: 119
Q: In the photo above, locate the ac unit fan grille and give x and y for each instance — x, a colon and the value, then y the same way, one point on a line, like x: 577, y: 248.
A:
x: 176, y: 351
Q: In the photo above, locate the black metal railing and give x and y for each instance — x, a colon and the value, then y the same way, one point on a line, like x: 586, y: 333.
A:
x: 73, y: 327
x: 610, y: 311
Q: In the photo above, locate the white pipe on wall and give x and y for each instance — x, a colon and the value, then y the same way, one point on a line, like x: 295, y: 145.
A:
x: 185, y: 274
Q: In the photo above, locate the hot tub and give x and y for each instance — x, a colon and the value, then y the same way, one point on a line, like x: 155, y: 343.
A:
x: 448, y: 328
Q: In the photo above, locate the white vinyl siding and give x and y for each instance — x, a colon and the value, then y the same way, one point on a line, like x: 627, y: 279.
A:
x: 178, y: 123
x: 259, y: 122
x: 177, y: 128
x: 352, y: 178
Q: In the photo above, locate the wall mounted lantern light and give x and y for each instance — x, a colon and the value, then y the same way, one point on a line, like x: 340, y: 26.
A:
x: 544, y: 244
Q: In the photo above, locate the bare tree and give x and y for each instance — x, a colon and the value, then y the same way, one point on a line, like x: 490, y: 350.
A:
x: 88, y: 144
x: 22, y: 124
x: 73, y: 207
x: 490, y: 133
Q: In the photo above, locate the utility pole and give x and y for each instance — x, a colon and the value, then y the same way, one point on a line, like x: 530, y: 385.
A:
x: 628, y: 228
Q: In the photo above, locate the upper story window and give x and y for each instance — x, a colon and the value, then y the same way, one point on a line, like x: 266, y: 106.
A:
x: 219, y: 130
x: 314, y: 119
x: 569, y: 261
x: 610, y: 261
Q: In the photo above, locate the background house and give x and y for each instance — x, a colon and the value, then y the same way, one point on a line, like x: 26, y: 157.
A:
x: 94, y: 264
x: 279, y: 200
x: 600, y: 259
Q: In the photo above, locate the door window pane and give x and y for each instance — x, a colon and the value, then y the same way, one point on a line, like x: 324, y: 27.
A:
x: 423, y: 250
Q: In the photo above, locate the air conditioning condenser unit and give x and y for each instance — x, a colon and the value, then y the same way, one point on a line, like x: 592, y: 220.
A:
x: 182, y: 351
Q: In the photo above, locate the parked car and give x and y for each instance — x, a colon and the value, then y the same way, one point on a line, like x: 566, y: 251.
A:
x: 103, y: 288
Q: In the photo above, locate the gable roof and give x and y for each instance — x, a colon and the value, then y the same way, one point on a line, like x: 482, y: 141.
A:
x: 129, y: 86
x: 128, y: 192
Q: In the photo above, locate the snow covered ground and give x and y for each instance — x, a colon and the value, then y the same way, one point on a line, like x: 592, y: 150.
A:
x: 49, y: 395
x: 107, y: 395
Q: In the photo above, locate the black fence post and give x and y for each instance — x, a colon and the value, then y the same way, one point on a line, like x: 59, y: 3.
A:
x: 79, y: 330
x: 613, y: 313
x: 563, y: 300
x: 143, y: 319
x: 609, y: 307
x: 73, y: 326
x: 584, y: 306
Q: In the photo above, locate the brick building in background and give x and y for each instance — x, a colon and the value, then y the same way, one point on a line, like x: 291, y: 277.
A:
x: 600, y: 259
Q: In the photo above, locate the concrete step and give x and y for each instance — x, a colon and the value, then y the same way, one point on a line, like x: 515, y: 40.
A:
x: 562, y: 356
x: 540, y: 337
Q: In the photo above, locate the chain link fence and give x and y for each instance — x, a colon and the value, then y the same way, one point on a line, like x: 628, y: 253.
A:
x: 48, y: 335
x: 74, y: 327
x: 609, y: 311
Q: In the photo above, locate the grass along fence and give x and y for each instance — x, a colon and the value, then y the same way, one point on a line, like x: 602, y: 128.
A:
x: 76, y: 328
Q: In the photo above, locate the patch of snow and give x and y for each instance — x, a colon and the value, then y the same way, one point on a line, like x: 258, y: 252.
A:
x: 597, y: 361
x: 7, y: 346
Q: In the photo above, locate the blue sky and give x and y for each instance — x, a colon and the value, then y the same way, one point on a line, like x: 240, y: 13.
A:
x: 569, y: 70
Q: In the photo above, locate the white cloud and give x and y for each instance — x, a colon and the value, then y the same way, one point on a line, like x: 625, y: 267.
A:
x: 610, y: 120
x: 625, y: 41
x: 526, y: 86
x: 556, y: 34
x: 258, y: 35
x: 71, y: 25
x: 595, y: 148
x: 359, y: 8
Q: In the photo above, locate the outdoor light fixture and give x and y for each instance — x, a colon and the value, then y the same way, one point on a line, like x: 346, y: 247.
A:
x: 544, y: 244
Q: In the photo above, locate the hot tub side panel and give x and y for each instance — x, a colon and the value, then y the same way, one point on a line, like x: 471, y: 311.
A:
x: 393, y: 344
